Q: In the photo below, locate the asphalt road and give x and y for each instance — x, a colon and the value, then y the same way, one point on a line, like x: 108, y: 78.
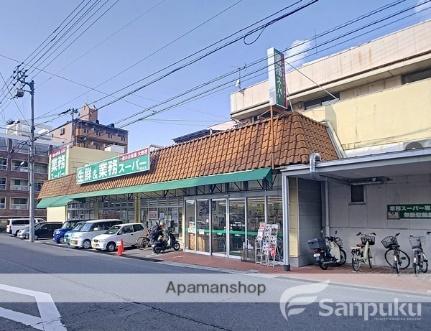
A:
x: 69, y: 274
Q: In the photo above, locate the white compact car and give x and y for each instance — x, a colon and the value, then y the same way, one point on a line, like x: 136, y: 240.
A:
x: 16, y: 224
x: 91, y: 229
x: 129, y: 233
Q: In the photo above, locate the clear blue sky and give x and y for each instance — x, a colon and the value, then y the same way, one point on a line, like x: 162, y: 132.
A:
x: 24, y: 25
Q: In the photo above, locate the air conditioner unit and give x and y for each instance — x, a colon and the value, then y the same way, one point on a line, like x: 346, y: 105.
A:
x: 419, y: 144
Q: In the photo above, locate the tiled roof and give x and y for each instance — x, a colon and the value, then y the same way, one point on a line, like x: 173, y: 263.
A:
x: 244, y: 148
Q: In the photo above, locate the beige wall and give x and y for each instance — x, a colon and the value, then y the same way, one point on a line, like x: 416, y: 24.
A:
x: 56, y: 214
x: 79, y: 156
x: 400, y: 114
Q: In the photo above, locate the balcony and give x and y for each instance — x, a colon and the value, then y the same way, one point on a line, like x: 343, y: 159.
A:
x: 19, y: 187
x: 19, y: 206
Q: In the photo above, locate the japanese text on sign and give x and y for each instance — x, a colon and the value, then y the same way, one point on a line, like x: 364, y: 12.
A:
x: 122, y: 165
x: 58, y: 164
x: 412, y: 211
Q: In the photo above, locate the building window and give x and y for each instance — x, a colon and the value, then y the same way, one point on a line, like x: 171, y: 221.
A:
x: 110, y: 135
x: 62, y: 131
x: 2, y: 203
x: 3, y: 144
x: 41, y: 149
x: 41, y: 168
x: 85, y: 130
x: 123, y: 138
x: 415, y: 76
x: 315, y: 103
x: 38, y: 186
x: 3, y: 184
x: 3, y: 164
x: 19, y: 165
x: 357, y: 194
x: 18, y: 203
x: 19, y: 184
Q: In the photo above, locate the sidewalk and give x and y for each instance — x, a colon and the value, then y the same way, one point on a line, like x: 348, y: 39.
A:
x: 381, y: 278
x: 377, y: 278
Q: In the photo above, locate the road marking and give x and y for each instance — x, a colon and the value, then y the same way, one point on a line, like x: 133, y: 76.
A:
x: 50, y: 318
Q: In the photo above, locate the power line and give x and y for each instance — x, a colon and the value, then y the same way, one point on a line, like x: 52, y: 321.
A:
x: 72, y: 33
x: 82, y: 32
x: 200, y: 57
x: 265, y: 67
x: 57, y: 32
x: 182, y: 102
x: 209, y: 90
x: 153, y: 53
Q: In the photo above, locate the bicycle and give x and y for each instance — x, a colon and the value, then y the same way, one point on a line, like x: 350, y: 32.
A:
x: 420, y: 261
x: 143, y: 242
x: 395, y: 257
x: 361, y: 253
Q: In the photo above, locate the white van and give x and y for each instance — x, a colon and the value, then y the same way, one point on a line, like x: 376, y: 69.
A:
x: 128, y: 233
x: 16, y: 224
x: 89, y: 230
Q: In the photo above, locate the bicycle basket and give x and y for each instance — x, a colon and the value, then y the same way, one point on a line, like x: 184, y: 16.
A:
x: 316, y: 243
x: 339, y: 241
x: 389, y: 241
x: 415, y: 242
x: 371, y: 239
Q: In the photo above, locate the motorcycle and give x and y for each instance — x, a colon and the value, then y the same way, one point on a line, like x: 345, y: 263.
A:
x: 162, y: 244
x: 328, y: 251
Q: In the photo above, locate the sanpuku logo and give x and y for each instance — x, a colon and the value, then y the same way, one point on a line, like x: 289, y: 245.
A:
x: 294, y: 299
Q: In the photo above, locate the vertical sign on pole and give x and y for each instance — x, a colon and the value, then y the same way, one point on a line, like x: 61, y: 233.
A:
x: 276, y: 78
x: 58, y: 163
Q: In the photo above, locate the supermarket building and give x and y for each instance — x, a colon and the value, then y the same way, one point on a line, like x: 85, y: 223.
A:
x: 214, y: 190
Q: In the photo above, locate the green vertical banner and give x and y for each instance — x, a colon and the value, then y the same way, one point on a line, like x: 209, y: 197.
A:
x: 58, y: 163
x: 276, y: 78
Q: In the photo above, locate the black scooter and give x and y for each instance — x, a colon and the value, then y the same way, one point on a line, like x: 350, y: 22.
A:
x: 324, y: 249
x: 161, y: 245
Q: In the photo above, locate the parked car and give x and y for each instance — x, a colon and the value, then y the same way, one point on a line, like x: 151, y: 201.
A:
x: 42, y: 230
x: 129, y: 233
x: 16, y: 224
x: 83, y: 237
x: 58, y: 235
x: 77, y: 228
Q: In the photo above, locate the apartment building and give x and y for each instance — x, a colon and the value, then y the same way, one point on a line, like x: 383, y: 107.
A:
x: 86, y: 131
x: 14, y: 188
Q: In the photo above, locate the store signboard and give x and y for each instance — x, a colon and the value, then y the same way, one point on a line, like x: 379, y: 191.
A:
x: 58, y: 163
x: 409, y: 211
x: 125, y: 164
x: 276, y: 78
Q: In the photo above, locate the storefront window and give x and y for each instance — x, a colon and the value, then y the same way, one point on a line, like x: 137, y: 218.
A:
x: 237, y: 226
x: 275, y: 216
x: 190, y: 225
x: 256, y: 215
x: 202, y: 226
x: 218, y: 214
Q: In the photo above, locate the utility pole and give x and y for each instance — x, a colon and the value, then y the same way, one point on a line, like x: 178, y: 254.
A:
x: 21, y: 76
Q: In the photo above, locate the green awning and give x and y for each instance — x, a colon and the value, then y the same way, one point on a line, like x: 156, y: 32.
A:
x: 54, y: 202
x: 239, y: 176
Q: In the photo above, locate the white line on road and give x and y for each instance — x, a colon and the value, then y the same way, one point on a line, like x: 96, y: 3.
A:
x: 49, y: 315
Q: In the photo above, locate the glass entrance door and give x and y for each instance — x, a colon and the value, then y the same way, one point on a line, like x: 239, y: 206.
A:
x: 202, y: 226
x: 236, y: 226
x: 218, y: 226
